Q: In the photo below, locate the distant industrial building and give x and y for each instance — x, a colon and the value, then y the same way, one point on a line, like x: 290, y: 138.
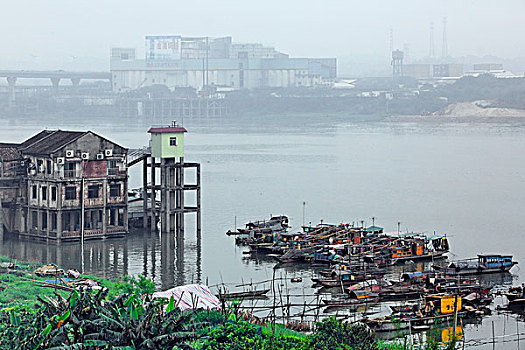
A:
x: 196, y: 62
x: 418, y: 71
x: 447, y: 70
x: 488, y: 67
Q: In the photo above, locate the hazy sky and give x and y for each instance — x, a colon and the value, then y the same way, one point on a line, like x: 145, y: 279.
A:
x: 39, y: 33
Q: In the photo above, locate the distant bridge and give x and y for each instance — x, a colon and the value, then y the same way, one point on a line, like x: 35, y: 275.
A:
x: 55, y: 77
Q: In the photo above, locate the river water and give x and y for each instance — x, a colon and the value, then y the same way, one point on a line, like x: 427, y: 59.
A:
x: 462, y: 178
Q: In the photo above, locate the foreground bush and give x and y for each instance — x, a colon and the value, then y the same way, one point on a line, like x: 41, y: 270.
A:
x: 86, y: 320
x: 330, y: 334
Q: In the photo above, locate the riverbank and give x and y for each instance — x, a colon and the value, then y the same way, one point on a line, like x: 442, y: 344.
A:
x: 36, y: 313
x: 476, y: 111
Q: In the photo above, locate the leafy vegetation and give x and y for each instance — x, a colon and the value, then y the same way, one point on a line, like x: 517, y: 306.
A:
x: 122, y: 315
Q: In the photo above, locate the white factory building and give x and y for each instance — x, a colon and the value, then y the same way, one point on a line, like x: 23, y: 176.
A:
x: 176, y: 61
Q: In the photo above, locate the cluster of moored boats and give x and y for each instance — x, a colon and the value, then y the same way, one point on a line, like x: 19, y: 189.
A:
x: 358, y: 263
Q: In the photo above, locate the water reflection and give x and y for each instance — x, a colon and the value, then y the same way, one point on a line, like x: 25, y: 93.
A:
x: 180, y: 257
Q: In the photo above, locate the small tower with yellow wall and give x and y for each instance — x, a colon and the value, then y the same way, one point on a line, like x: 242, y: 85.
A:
x: 167, y: 153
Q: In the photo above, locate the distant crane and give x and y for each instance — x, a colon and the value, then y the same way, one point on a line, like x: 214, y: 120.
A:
x: 431, y: 51
x: 444, y: 49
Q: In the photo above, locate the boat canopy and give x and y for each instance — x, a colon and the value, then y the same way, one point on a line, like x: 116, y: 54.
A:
x: 363, y: 284
x: 411, y: 234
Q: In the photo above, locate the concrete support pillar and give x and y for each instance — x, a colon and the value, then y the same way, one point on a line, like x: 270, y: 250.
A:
x: 1, y: 221
x: 180, y: 199
x: 11, y: 81
x: 153, y: 194
x: 198, y: 202
x: 48, y: 228
x: 55, y: 82
x: 172, y: 197
x: 39, y: 221
x: 163, y: 193
x: 145, y: 191
x: 104, y: 209
x: 125, y: 194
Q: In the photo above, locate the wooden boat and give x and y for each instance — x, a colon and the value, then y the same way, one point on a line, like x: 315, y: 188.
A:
x: 262, y: 231
x: 438, y: 308
x: 400, y: 294
x: 418, y: 247
x: 416, y: 323
x: 348, y: 302
x: 390, y: 293
x: 518, y: 304
x: 243, y: 295
x: 428, y: 256
x: 405, y: 308
x: 346, y: 279
x: 483, y: 264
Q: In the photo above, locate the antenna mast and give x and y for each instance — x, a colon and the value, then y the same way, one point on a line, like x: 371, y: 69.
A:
x: 444, y: 52
x: 431, y: 52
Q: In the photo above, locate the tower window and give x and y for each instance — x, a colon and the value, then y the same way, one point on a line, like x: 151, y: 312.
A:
x: 173, y: 141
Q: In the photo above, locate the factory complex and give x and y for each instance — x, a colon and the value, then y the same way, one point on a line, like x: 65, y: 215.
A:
x: 199, y: 62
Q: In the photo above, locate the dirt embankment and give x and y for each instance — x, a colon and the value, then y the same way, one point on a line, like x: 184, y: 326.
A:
x: 478, y: 109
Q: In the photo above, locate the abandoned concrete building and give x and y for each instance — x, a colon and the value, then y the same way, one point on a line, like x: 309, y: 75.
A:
x: 64, y: 185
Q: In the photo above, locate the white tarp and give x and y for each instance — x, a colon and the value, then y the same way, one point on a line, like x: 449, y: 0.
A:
x: 191, y: 297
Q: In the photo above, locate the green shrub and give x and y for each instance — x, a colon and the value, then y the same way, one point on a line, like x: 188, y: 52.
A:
x: 247, y: 336
x: 332, y: 334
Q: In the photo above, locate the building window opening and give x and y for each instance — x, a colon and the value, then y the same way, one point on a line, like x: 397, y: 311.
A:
x: 69, y: 169
x: 93, y: 191
x: 34, y: 192
x: 114, y: 190
x: 71, y: 192
x: 53, y: 221
x: 66, y: 222
x: 173, y: 141
x: 44, y: 193
x: 44, y: 220
x: 53, y: 194
x: 48, y: 167
x: 34, y: 220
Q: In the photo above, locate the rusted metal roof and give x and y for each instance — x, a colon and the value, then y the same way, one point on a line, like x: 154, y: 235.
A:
x: 167, y: 130
x: 9, y: 152
x: 47, y: 142
x: 30, y: 141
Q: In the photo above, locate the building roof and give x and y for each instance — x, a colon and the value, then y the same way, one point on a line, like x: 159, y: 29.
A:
x: 167, y: 129
x: 9, y: 152
x: 373, y: 229
x: 35, y: 138
x: 48, y: 141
